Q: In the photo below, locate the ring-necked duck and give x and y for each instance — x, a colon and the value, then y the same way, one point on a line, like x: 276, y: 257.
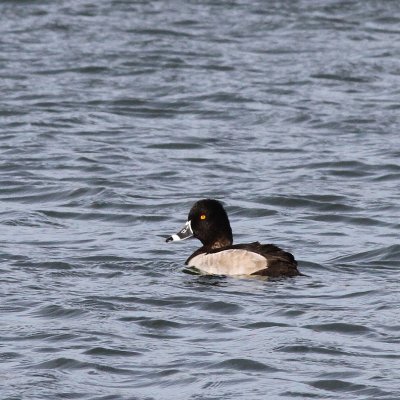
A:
x: 208, y: 222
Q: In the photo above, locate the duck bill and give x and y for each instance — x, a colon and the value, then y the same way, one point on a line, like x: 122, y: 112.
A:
x: 185, y: 233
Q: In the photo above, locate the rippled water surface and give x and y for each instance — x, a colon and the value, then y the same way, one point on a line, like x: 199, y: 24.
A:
x: 115, y: 116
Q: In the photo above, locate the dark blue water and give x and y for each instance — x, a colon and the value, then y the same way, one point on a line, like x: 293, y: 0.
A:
x: 116, y: 116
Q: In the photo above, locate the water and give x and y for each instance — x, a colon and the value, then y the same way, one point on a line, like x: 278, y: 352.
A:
x: 116, y: 116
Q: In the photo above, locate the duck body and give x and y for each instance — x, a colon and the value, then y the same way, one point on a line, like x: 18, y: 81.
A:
x: 245, y: 259
x: 209, y: 222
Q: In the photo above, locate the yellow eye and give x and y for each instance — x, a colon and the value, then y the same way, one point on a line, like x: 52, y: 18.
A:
x: 202, y: 216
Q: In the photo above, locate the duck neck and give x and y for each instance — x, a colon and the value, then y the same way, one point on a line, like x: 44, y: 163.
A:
x: 221, y: 242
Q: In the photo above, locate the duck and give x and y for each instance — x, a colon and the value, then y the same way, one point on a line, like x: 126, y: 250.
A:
x: 208, y: 221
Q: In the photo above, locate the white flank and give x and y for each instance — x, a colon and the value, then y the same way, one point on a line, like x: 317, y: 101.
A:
x: 229, y: 262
